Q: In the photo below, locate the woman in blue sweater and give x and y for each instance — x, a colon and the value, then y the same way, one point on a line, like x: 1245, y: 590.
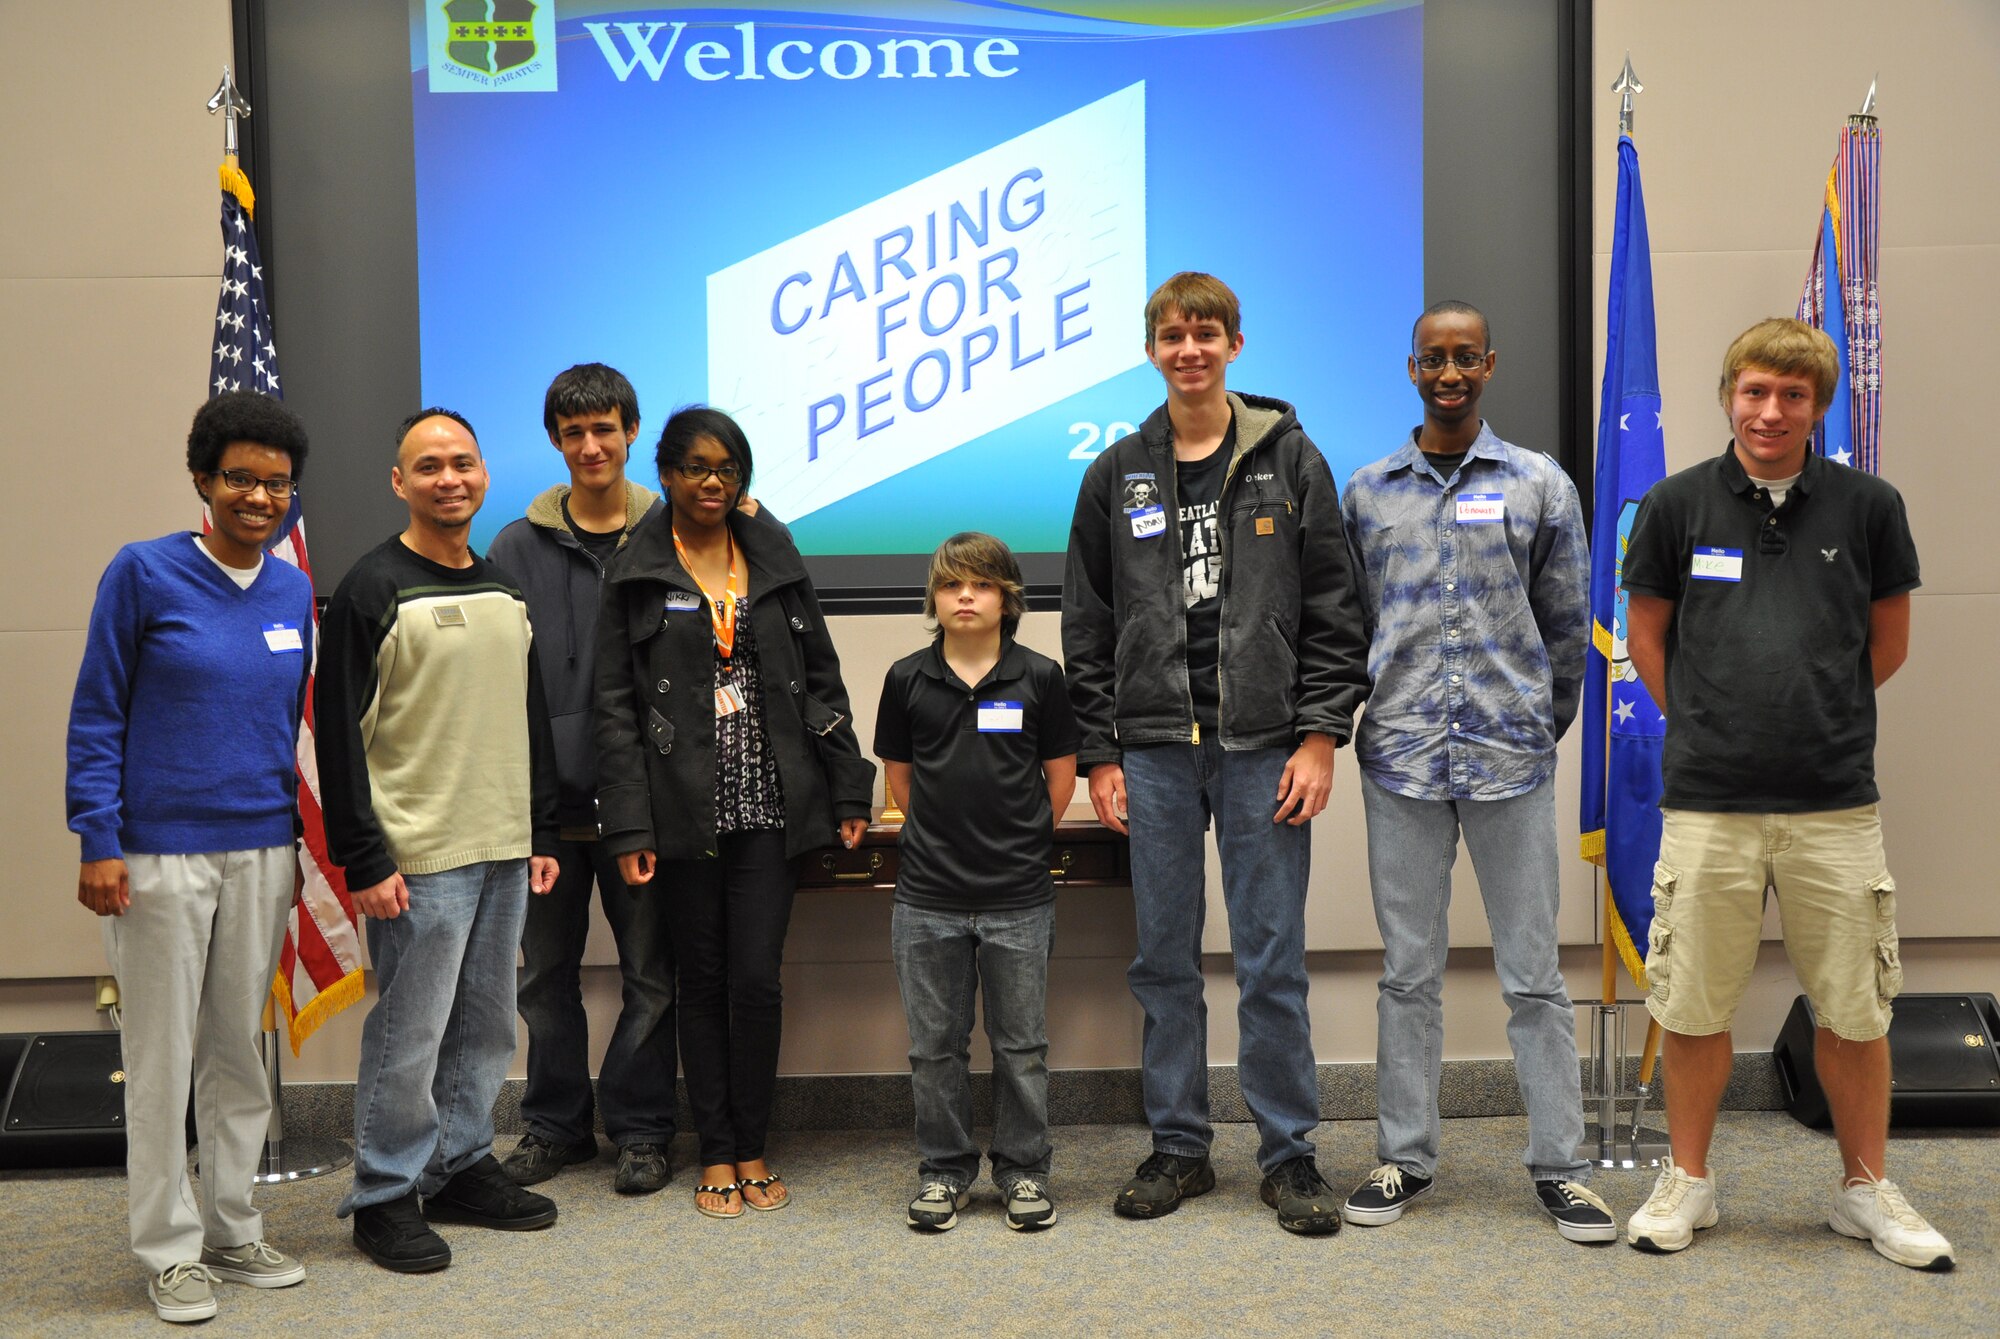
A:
x: 182, y: 786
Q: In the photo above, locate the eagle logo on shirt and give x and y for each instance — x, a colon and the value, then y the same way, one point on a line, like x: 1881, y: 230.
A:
x: 1828, y: 554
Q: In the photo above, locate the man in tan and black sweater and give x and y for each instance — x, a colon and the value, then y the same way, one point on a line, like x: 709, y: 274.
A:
x: 438, y: 781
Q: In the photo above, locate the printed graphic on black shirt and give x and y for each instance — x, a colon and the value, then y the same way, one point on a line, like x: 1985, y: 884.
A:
x: 1201, y: 555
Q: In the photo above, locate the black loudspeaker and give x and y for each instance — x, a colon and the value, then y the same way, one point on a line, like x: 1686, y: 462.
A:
x: 1942, y: 1064
x: 64, y: 1100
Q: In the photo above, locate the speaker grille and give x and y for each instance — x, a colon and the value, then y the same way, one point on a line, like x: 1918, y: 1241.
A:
x: 69, y: 1082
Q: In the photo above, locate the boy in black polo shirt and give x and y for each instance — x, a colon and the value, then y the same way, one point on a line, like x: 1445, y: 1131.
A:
x: 1770, y: 598
x: 977, y: 738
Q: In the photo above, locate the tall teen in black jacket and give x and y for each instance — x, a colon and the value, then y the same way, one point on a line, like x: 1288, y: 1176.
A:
x: 725, y: 753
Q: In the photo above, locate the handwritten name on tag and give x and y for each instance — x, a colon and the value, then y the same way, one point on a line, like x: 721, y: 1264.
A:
x: 282, y: 637
x: 1481, y: 508
x: 1000, y: 718
x: 1716, y: 565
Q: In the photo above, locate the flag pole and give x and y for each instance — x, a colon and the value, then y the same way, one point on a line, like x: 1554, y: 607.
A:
x: 295, y: 1159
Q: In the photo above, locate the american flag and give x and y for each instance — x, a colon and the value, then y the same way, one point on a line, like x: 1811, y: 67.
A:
x: 319, y: 970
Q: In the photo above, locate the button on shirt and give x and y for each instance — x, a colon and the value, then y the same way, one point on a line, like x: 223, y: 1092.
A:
x: 1770, y: 686
x: 1477, y: 627
x: 979, y: 835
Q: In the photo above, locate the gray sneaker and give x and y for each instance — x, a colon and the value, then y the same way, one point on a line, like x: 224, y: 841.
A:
x: 182, y: 1293
x: 1029, y: 1208
x: 259, y: 1264
x: 935, y: 1209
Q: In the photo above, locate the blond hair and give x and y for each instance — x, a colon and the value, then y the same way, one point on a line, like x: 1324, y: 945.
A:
x: 1787, y: 347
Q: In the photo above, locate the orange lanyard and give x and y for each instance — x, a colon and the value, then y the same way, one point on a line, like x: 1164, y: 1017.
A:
x: 721, y: 613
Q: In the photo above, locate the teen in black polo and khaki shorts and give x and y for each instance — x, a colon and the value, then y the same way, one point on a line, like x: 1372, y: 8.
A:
x: 1770, y: 598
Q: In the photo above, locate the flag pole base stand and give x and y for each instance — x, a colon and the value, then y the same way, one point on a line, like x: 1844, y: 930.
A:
x: 1609, y: 1141
x: 1623, y: 1148
x: 300, y: 1159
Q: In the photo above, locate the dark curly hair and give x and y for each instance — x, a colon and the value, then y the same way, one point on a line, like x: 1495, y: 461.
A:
x: 244, y: 416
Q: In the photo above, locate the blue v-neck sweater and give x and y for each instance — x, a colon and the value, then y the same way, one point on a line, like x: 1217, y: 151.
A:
x: 183, y: 730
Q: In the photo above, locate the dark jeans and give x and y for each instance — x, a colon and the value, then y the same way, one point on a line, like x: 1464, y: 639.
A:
x: 943, y: 960
x: 635, y: 1088
x: 729, y: 917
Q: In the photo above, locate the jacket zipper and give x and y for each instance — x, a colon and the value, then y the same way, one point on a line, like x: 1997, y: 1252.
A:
x: 1174, y: 464
x: 1222, y: 574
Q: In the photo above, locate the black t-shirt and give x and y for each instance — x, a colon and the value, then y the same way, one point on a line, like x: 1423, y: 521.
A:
x: 1444, y: 462
x: 979, y: 835
x: 1198, y: 484
x: 1770, y: 691
x: 599, y: 544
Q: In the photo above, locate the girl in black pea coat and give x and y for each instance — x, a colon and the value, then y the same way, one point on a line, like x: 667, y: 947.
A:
x: 725, y: 754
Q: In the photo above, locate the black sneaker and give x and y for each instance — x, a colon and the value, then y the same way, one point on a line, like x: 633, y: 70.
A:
x: 1580, y: 1215
x: 935, y: 1209
x: 395, y: 1236
x: 642, y: 1169
x: 483, y: 1196
x: 1161, y: 1183
x: 1304, y: 1201
x: 1383, y: 1196
x: 1029, y: 1208
x: 535, y: 1159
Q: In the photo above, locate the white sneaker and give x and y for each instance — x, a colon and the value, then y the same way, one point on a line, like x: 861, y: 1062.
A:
x: 182, y: 1293
x: 1876, y: 1212
x: 1679, y: 1205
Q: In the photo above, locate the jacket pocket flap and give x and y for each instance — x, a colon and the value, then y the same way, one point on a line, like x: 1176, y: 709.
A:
x: 659, y: 728
x: 819, y: 718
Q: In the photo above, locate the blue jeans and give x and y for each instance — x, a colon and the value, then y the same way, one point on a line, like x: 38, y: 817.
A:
x: 438, y: 1041
x: 635, y: 1087
x: 1411, y: 847
x: 942, y: 959
x: 1172, y: 790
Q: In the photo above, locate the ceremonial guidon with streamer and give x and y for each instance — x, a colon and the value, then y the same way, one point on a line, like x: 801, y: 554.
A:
x: 1844, y: 265
x: 319, y: 969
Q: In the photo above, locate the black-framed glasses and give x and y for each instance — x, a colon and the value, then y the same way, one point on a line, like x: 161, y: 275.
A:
x: 277, y: 487
x: 1464, y: 362
x: 695, y: 472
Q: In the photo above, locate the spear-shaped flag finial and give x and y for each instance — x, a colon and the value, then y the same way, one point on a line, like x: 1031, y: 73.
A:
x: 230, y: 102
x: 1866, y: 116
x: 1628, y: 84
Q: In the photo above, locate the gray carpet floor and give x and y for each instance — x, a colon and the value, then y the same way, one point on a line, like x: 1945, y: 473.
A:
x: 1475, y: 1258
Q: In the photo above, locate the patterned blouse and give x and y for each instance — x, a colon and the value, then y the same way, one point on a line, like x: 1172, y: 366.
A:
x: 748, y: 796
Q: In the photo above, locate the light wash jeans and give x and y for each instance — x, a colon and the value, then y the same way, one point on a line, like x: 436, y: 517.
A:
x: 1172, y: 790
x: 438, y: 1041
x: 944, y: 959
x: 1411, y: 847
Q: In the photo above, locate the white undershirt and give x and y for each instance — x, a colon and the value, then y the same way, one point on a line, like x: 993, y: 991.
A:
x: 242, y: 576
x: 1778, y: 488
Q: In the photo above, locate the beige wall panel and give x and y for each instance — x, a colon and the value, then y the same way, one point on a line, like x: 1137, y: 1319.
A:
x: 103, y: 106
x: 1931, y: 297
x: 48, y: 934
x: 1744, y: 104
x: 130, y: 357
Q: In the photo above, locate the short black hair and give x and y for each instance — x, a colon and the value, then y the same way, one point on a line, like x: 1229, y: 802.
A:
x: 590, y: 388
x: 1453, y: 307
x: 244, y: 416
x: 434, y: 411
x: 691, y: 422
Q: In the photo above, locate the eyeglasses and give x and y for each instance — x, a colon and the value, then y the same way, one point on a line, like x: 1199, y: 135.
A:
x: 277, y: 488
x: 695, y: 472
x: 1464, y: 362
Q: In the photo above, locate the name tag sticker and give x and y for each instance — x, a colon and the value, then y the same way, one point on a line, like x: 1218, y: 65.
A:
x: 282, y: 637
x: 1716, y: 565
x: 1000, y: 718
x: 682, y: 600
x: 448, y: 616
x: 1481, y: 508
x: 1149, y: 522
